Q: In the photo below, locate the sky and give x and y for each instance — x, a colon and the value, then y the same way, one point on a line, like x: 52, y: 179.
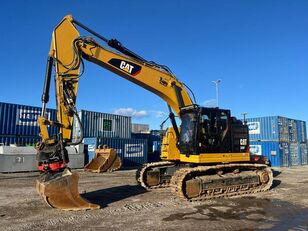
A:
x: 257, y: 48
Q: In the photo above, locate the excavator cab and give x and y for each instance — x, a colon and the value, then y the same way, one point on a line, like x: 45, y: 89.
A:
x: 208, y: 130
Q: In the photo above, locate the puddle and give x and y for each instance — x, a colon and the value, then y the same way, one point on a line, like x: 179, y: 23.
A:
x: 281, y: 215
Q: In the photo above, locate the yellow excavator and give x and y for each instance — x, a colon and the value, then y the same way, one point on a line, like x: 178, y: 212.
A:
x: 206, y: 156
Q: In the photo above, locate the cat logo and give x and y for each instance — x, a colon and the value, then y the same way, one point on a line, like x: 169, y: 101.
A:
x: 128, y: 67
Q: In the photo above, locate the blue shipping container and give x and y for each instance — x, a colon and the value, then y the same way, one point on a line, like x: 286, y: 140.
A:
x: 293, y: 131
x: 263, y: 128
x: 302, y: 132
x: 276, y: 128
x: 133, y: 152
x: 19, y: 140
x: 21, y: 120
x: 295, y: 156
x: 89, y: 148
x: 304, y: 153
x: 154, y: 145
x: 277, y: 152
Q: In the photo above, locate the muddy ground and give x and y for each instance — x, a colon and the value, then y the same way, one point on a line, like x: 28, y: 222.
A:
x: 126, y: 206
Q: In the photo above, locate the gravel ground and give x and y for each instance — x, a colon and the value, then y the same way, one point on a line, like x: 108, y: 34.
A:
x: 126, y: 206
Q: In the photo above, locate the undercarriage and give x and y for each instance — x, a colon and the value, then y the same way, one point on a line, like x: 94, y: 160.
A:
x: 206, y: 182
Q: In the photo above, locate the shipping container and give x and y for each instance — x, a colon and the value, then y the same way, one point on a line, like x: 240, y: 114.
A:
x: 154, y: 145
x: 295, y: 158
x: 264, y: 128
x: 140, y: 128
x: 21, y: 120
x: 276, y: 128
x: 302, y: 132
x: 98, y: 124
x: 277, y: 152
x: 133, y: 152
x: 293, y: 131
x: 90, y: 144
x: 304, y: 153
x: 283, y: 128
x: 19, y: 140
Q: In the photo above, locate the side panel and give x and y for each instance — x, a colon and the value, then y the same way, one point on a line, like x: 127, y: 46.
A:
x: 154, y: 145
x: 302, y: 132
x: 304, y: 153
x: 98, y: 124
x: 19, y: 140
x: 133, y: 152
x: 283, y: 127
x: 293, y: 131
x: 272, y: 150
x: 263, y: 128
x: 169, y: 150
x: 216, y: 158
x: 21, y: 120
x: 295, y: 156
x: 140, y: 128
x: 285, y: 155
x: 90, y: 146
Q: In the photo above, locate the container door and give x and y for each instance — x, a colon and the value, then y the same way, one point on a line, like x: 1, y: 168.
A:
x: 294, y: 154
x: 90, y: 144
x: 285, y: 155
x: 304, y: 153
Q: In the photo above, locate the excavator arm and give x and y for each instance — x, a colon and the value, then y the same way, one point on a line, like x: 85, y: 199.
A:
x: 58, y: 185
x: 68, y: 49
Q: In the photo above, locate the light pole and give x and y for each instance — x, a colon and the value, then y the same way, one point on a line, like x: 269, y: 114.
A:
x: 244, y: 114
x: 216, y: 82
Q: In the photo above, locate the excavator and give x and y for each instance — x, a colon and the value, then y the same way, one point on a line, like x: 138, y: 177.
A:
x: 206, y: 156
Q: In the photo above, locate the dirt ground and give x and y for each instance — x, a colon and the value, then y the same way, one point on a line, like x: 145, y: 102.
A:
x: 126, y: 206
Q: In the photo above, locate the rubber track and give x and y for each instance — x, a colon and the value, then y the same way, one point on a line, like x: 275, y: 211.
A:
x: 179, y: 177
x: 141, y: 173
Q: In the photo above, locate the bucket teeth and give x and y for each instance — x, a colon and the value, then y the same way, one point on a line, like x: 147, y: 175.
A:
x: 105, y: 160
x: 61, y: 191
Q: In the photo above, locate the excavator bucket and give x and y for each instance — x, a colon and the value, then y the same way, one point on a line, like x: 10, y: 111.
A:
x: 105, y: 160
x: 61, y: 191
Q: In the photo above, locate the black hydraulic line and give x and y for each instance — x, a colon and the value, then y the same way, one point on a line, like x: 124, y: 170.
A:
x: 173, y: 122
x: 112, y: 43
x: 119, y: 47
x: 90, y: 31
x: 45, y: 96
x: 193, y: 95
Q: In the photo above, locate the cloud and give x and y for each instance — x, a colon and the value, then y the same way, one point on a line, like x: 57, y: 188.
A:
x: 159, y: 114
x: 139, y: 114
x: 131, y: 112
x: 209, y: 103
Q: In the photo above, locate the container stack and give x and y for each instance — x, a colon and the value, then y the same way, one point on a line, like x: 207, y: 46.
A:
x: 282, y: 140
x: 115, y: 132
x: 140, y: 128
x: 133, y: 152
x: 153, y: 142
x: 18, y: 124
